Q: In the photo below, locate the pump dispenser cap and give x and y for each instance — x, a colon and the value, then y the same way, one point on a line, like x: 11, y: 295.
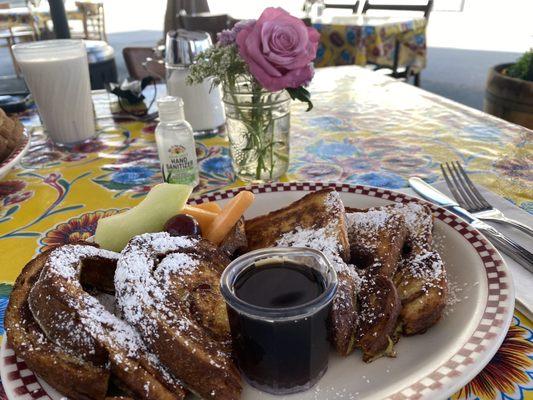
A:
x: 170, y: 109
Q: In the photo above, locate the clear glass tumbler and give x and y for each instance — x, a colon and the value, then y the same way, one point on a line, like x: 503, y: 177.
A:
x: 280, y: 350
x: 57, y: 74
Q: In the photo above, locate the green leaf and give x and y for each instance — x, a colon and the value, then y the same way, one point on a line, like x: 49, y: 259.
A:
x: 24, y: 234
x: 301, y: 94
x: 11, y: 210
x: 113, y: 185
x: 5, y: 289
x: 523, y: 67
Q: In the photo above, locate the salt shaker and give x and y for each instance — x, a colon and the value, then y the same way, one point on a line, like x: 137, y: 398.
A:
x: 203, y: 104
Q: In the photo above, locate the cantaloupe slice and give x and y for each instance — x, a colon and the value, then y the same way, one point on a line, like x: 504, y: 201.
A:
x: 203, y: 217
x: 229, y: 216
x: 209, y: 206
x: 162, y: 202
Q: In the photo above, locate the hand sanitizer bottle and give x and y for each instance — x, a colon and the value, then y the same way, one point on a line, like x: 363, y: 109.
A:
x: 175, y: 143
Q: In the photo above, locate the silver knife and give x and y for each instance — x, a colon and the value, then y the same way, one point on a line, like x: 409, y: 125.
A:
x: 502, y: 242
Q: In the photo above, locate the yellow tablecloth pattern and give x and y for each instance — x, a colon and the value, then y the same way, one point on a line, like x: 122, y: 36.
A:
x: 366, y: 40
x: 364, y: 129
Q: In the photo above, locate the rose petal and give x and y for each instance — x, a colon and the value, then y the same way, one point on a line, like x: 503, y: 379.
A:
x: 248, y: 44
x: 278, y: 49
x: 292, y: 79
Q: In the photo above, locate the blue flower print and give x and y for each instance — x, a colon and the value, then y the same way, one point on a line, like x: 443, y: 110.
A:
x: 216, y: 165
x: 382, y: 179
x: 133, y: 175
x: 333, y: 150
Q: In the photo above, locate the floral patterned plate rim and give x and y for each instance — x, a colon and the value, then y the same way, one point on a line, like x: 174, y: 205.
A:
x: 430, y: 366
x: 16, y: 155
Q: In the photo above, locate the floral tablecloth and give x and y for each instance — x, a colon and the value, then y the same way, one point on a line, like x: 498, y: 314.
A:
x: 365, y: 129
x: 365, y: 39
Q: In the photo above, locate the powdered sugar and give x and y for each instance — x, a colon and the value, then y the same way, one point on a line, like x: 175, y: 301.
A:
x: 371, y: 220
x: 426, y: 265
x: 419, y: 222
x: 138, y: 288
x: 415, y: 214
x: 322, y: 239
x: 175, y: 264
x: 64, y: 260
x: 333, y: 202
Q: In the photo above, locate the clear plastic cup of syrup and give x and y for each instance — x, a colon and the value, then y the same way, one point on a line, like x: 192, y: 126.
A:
x: 278, y: 302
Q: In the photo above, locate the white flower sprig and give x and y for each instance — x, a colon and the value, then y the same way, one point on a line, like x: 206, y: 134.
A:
x: 221, y: 63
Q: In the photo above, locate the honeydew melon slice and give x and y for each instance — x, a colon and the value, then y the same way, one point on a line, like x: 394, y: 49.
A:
x: 161, y: 203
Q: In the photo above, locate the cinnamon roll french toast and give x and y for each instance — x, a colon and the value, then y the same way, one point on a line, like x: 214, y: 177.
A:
x: 67, y: 336
x: 168, y: 289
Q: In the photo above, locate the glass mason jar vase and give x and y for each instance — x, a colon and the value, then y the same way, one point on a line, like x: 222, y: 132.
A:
x: 257, y: 124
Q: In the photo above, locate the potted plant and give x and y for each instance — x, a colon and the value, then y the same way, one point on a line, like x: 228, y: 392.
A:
x: 261, y: 64
x: 509, y: 92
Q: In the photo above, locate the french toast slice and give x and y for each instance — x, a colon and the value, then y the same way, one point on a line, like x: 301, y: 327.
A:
x: 377, y: 237
x: 321, y: 211
x: 342, y: 320
x: 421, y: 276
x: 379, y: 308
x: 422, y: 287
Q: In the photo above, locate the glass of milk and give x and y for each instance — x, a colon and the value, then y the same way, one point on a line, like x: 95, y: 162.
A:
x: 57, y: 74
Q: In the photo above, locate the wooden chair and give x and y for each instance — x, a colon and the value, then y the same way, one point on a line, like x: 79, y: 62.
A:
x: 398, y: 71
x: 93, y: 20
x: 354, y: 7
x: 211, y: 24
x: 14, y: 33
x: 136, y: 59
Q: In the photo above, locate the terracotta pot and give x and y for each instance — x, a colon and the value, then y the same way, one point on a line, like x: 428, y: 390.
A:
x: 509, y: 98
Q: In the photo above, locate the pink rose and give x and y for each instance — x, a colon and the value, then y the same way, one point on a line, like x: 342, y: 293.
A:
x: 279, y: 49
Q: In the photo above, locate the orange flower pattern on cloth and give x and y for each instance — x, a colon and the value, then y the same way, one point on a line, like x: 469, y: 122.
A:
x: 510, y: 370
x: 74, y: 230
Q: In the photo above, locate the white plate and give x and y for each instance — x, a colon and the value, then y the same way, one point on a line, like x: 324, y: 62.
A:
x: 430, y: 366
x: 15, y: 156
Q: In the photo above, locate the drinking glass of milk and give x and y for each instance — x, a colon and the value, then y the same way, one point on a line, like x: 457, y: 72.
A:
x: 57, y: 74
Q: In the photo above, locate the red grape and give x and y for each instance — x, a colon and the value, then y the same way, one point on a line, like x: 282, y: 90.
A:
x: 182, y: 225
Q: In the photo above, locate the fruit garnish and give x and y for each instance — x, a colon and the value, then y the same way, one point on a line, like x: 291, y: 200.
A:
x: 228, y: 217
x: 210, y: 206
x: 182, y: 225
x: 162, y: 202
x: 205, y: 218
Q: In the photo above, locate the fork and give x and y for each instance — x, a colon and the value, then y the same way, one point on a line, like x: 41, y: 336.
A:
x: 469, y: 197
